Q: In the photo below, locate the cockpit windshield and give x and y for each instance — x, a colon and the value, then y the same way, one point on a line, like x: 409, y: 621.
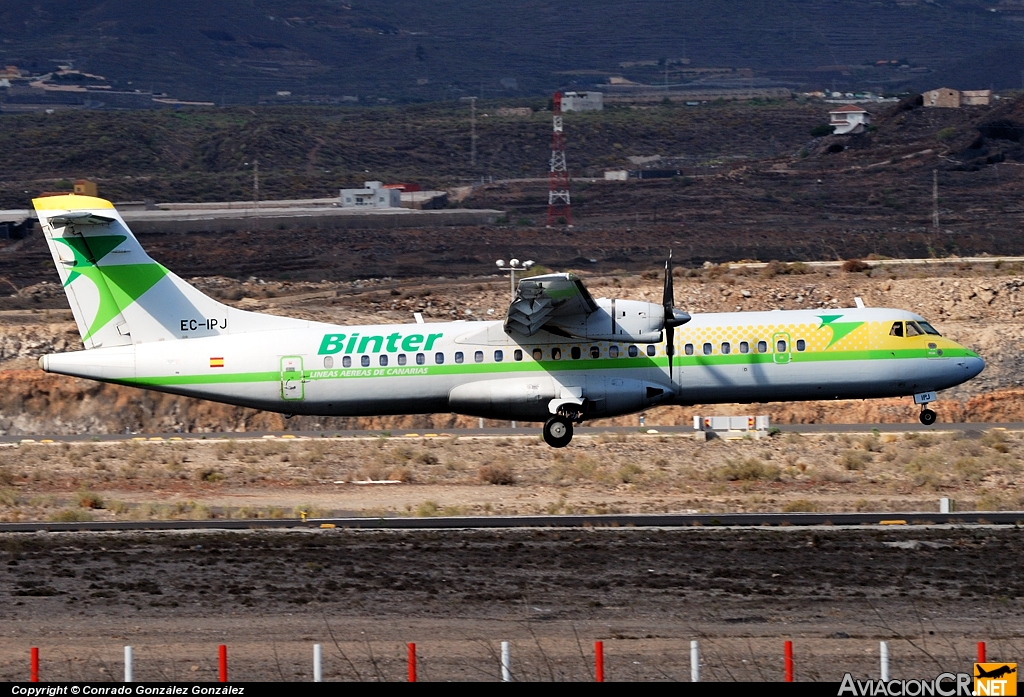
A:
x: 928, y: 329
x: 913, y: 329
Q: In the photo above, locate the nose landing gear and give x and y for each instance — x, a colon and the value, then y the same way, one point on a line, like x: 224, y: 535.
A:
x: 927, y: 415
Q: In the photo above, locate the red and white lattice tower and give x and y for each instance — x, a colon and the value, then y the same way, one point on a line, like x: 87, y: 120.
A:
x: 558, y: 179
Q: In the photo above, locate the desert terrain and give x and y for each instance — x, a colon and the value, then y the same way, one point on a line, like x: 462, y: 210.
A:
x: 931, y: 592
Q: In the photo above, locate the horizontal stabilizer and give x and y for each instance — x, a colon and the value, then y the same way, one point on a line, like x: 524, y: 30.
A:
x: 81, y: 218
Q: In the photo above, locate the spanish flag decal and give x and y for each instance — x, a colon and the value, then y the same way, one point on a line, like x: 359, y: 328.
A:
x: 216, y: 362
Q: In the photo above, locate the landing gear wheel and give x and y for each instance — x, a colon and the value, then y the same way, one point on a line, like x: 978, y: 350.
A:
x: 558, y: 431
x: 927, y: 417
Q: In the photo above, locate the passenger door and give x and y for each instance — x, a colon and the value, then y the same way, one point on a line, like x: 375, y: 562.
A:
x: 292, y: 384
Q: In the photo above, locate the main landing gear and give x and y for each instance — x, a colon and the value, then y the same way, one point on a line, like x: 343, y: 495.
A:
x: 927, y: 416
x: 558, y: 431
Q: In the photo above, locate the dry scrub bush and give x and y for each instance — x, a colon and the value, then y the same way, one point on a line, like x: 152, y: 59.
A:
x: 629, y: 473
x: 800, y: 506
x: 8, y: 498
x: 750, y: 469
x: 853, y: 460
x: 498, y: 472
x: 996, y: 439
x: 70, y: 515
x: 89, y: 499
x: 871, y: 444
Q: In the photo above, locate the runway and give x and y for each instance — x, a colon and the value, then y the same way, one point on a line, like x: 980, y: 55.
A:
x: 504, y: 432
x: 664, y: 521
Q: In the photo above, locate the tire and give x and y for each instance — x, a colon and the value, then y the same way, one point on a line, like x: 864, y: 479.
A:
x: 558, y: 431
x: 927, y: 417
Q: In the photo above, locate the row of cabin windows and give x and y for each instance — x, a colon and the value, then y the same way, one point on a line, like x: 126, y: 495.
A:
x: 781, y: 346
x: 499, y: 355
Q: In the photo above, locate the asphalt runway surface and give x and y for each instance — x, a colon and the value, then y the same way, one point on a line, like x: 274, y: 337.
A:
x: 658, y: 521
x: 529, y: 431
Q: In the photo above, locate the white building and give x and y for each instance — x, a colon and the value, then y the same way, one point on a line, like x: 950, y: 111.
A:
x: 372, y: 195
x: 848, y: 119
x: 583, y: 101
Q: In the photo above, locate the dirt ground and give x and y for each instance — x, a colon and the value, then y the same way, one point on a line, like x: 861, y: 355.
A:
x: 610, y: 473
x: 932, y: 592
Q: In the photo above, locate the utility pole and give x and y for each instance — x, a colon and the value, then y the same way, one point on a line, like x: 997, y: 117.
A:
x: 935, y: 199
x: 472, y: 129
x: 256, y: 190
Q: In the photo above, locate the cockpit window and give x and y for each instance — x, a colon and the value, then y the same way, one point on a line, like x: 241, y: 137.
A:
x: 897, y: 329
x: 928, y: 329
x: 913, y: 329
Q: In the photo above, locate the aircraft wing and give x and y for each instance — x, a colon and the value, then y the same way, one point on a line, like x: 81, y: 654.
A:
x: 556, y: 298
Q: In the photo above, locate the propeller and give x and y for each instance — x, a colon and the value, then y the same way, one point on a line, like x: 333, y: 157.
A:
x: 673, y: 317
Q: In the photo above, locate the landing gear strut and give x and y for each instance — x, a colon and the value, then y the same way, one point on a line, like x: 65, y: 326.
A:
x: 927, y: 416
x: 558, y: 431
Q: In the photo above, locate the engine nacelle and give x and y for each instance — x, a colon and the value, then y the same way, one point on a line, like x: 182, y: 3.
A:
x: 620, y: 320
x: 527, y: 399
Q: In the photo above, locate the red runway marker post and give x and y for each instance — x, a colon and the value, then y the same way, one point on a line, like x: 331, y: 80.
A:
x: 789, y: 661
x: 599, y: 661
x: 981, y: 652
x: 223, y: 651
x: 35, y: 664
x: 412, y: 662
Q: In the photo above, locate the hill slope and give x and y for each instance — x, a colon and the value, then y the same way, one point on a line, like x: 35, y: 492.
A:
x: 237, y: 50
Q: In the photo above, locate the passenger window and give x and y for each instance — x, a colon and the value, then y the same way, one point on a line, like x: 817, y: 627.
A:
x: 613, y: 351
x: 801, y: 344
x: 439, y: 358
x: 459, y: 357
x: 744, y: 347
x: 328, y: 362
x: 401, y: 359
x: 499, y: 356
x: 383, y: 359
x: 651, y: 350
x: 478, y: 356
x: 762, y: 347
x: 632, y: 351
x: 707, y: 349
x: 726, y: 348
x: 780, y: 346
x: 556, y: 354
x: 538, y: 354
x: 420, y: 359
x: 595, y: 351
x: 688, y: 349
x: 518, y: 354
x: 913, y: 329
x: 364, y: 361
x: 346, y: 362
x: 897, y: 329
x: 575, y: 353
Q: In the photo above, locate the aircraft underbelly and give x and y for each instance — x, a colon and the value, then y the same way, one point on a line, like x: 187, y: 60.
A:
x: 792, y: 381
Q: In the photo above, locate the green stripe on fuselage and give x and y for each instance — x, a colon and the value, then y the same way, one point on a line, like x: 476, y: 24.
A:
x: 626, y: 363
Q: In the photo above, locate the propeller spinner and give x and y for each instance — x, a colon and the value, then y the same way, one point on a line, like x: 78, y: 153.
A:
x: 673, y: 317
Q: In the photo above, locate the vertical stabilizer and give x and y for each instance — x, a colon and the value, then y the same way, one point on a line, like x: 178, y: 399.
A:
x: 118, y: 294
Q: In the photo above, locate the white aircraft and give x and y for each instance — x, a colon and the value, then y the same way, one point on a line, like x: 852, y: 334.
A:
x: 559, y: 356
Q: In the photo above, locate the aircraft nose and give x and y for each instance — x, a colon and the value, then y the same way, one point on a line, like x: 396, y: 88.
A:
x: 974, y: 365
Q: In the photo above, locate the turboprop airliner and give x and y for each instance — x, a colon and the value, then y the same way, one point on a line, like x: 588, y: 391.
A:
x: 559, y: 356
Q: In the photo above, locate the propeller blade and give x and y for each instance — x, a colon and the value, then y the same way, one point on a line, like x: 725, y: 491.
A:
x: 668, y: 301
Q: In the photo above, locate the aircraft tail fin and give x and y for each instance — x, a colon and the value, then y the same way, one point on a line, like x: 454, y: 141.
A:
x: 118, y: 294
